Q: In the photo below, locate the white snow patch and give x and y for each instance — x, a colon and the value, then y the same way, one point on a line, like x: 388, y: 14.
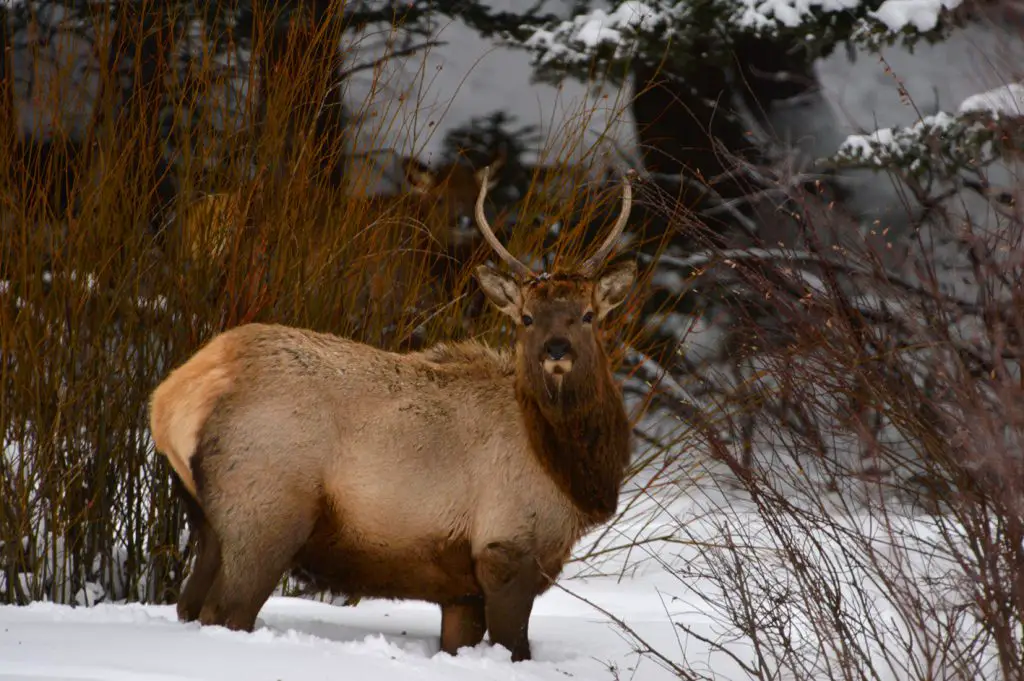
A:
x: 789, y: 13
x: 921, y: 14
x: 573, y: 40
x: 299, y: 639
x: 886, y: 141
x: 1007, y: 99
x: 599, y: 26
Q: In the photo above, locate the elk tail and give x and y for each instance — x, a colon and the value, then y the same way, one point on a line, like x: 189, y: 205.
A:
x: 181, y: 404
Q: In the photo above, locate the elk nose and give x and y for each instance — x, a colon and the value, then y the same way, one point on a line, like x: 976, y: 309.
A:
x: 557, y: 348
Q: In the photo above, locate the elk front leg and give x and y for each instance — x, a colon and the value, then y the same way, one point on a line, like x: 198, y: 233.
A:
x: 463, y: 623
x: 509, y: 576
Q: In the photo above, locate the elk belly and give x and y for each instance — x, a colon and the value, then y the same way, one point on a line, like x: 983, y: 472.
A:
x: 360, y: 559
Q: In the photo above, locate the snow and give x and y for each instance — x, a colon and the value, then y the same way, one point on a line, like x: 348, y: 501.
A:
x: 590, y: 30
x: 881, y: 145
x: 301, y: 640
x: 599, y: 26
x: 572, y: 39
x: 1005, y: 100
x: 888, y: 146
x: 788, y: 13
x: 895, y: 15
x: 920, y: 14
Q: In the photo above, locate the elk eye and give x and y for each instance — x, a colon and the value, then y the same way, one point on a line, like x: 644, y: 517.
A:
x: 588, y: 317
x: 527, y: 320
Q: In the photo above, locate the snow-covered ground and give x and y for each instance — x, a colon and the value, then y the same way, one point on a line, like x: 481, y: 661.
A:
x: 302, y: 640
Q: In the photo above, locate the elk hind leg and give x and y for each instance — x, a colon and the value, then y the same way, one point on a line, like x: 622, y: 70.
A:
x: 258, y: 541
x: 207, y: 563
x: 509, y: 576
x: 204, y: 572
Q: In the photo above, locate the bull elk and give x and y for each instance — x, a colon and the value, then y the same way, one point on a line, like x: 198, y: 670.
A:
x: 418, y: 228
x: 437, y: 199
x: 460, y: 475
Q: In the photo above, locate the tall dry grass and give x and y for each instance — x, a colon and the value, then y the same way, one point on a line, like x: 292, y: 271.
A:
x: 102, y: 294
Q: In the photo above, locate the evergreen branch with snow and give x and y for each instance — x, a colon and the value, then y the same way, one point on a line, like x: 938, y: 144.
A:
x: 705, y: 31
x: 987, y: 126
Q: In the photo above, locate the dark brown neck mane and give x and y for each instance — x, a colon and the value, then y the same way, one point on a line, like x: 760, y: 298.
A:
x: 584, y: 446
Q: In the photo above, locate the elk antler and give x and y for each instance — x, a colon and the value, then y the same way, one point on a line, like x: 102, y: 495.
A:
x: 519, y: 268
x: 591, y: 264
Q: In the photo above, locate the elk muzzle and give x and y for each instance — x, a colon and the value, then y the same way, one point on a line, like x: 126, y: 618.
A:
x: 558, y: 357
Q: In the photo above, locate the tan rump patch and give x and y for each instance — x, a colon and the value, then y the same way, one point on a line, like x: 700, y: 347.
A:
x: 180, y: 405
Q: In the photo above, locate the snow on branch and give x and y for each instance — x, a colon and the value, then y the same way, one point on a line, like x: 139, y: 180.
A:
x: 614, y: 36
x: 986, y: 126
x: 638, y: 27
x: 1007, y: 100
x: 919, y: 15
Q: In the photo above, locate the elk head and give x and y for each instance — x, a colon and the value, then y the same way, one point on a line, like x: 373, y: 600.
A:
x: 558, y: 315
x: 450, y: 192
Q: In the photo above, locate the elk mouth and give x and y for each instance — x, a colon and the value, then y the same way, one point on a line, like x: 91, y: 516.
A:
x: 557, y: 367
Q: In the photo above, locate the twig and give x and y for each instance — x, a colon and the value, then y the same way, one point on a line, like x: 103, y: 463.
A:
x: 657, y: 374
x: 643, y: 647
x: 404, y: 52
x: 729, y: 204
x: 709, y: 257
x: 744, y: 222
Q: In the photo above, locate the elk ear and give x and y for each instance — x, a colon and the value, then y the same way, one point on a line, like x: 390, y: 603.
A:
x: 501, y: 289
x: 421, y: 178
x: 612, y: 286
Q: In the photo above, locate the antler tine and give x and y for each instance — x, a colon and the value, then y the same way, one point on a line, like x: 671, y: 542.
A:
x: 519, y: 268
x: 593, y: 262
